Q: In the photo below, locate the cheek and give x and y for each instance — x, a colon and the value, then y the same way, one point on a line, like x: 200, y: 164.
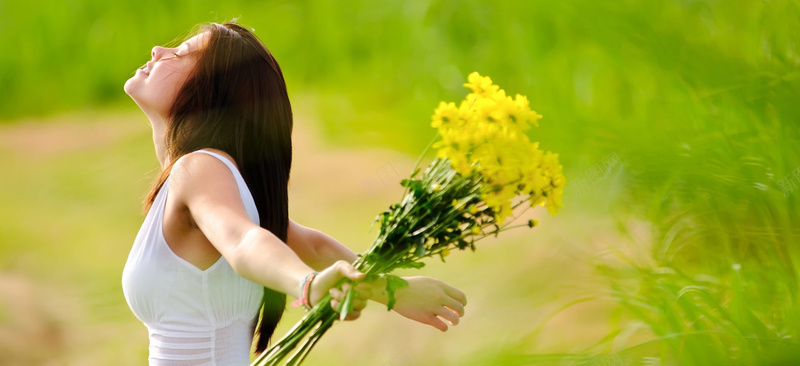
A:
x: 163, y: 91
x: 156, y: 92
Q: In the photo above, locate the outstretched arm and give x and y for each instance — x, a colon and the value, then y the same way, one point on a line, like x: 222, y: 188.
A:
x: 208, y: 191
x: 315, y: 248
x: 424, y: 300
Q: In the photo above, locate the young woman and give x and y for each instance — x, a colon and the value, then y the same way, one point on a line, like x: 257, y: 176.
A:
x: 217, y: 248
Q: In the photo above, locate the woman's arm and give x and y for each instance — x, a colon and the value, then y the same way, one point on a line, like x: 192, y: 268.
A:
x: 210, y: 193
x: 424, y: 300
x: 315, y: 248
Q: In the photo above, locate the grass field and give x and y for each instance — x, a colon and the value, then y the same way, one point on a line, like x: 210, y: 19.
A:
x: 67, y: 237
x: 676, y: 123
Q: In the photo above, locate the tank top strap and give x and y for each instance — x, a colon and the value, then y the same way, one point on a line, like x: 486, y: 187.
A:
x: 225, y: 160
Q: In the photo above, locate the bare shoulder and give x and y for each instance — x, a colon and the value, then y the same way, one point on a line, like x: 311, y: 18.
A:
x: 197, y: 173
x: 207, y: 189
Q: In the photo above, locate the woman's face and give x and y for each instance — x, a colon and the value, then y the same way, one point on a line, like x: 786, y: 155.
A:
x: 156, y: 84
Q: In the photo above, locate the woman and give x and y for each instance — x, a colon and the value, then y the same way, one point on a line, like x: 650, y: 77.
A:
x: 217, y: 248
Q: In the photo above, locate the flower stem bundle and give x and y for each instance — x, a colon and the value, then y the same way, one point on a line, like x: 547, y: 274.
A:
x: 485, y: 167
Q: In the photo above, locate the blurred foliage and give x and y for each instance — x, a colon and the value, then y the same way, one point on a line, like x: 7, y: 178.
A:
x: 697, y: 99
x: 649, y: 66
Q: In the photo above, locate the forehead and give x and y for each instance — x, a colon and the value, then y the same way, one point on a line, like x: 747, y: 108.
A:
x: 197, y: 42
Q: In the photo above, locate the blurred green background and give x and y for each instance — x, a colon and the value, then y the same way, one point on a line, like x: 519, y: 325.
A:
x: 676, y: 122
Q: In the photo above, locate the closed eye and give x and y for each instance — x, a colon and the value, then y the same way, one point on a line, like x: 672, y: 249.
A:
x: 174, y: 55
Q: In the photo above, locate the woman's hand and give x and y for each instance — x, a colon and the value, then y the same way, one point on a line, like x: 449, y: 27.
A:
x: 325, y: 281
x: 425, y: 299
x: 363, y: 293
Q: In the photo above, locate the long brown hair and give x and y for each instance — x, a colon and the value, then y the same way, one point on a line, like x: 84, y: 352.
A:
x: 235, y: 100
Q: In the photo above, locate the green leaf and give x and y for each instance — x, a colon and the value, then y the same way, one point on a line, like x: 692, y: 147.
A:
x: 392, y: 284
x: 417, y: 187
x: 431, y: 223
x: 347, y: 304
x: 420, y: 247
x: 416, y: 265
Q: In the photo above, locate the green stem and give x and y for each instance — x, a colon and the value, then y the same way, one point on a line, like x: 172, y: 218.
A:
x: 314, y: 339
x: 419, y: 159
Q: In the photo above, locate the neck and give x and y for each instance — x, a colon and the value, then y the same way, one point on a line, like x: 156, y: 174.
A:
x: 158, y: 125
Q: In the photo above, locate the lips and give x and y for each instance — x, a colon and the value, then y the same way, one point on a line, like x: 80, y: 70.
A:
x: 145, y: 69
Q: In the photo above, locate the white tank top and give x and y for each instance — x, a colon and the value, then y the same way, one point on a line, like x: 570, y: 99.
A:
x: 194, y: 317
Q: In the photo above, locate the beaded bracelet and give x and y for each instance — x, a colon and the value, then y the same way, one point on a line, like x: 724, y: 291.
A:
x: 305, y: 292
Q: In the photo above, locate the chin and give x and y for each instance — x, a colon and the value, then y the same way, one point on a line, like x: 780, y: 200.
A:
x: 133, y: 88
x: 129, y: 86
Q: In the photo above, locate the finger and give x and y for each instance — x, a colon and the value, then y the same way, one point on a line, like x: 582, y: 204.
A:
x: 336, y: 294
x: 349, y: 271
x: 335, y: 305
x: 455, y: 293
x: 364, y: 286
x: 363, y: 295
x: 355, y: 274
x: 448, y: 315
x: 359, y: 304
x: 365, y: 289
x: 435, y: 322
x: 454, y: 305
x: 346, y: 287
x: 360, y: 292
x: 353, y: 315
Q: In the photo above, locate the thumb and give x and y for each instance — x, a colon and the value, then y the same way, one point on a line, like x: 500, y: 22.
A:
x: 350, y: 272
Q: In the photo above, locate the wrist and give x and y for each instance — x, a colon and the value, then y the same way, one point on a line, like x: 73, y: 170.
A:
x: 304, y: 291
x: 379, y: 294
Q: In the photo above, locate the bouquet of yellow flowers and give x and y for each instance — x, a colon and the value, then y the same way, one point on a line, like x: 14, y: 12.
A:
x: 486, y: 166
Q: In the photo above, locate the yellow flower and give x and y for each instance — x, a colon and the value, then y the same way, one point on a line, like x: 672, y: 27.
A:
x: 481, y: 85
x: 486, y: 134
x: 538, y: 201
x: 444, y: 114
x: 445, y: 252
x: 476, y: 230
x: 554, y: 201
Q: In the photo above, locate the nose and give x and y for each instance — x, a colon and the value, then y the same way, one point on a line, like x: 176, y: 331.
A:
x: 156, y: 52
